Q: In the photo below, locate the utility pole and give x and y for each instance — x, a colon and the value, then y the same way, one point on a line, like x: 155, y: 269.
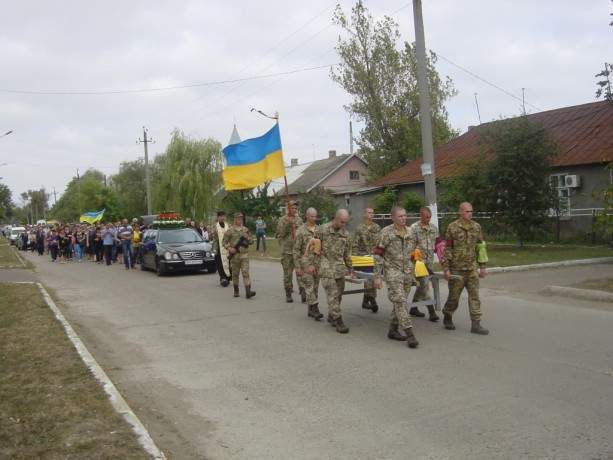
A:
x: 54, y: 196
x: 427, y: 167
x: 146, y: 141
x: 523, y: 101
x: 350, y: 137
x: 79, y: 193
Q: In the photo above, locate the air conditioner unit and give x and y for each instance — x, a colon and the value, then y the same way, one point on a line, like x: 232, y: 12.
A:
x: 572, y: 181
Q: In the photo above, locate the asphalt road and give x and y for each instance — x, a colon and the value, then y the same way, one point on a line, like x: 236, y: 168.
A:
x: 222, y: 378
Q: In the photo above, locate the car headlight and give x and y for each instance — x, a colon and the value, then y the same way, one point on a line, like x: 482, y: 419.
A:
x: 207, y: 254
x: 175, y: 256
x: 167, y: 255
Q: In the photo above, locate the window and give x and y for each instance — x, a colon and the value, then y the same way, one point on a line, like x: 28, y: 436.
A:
x: 354, y: 175
x: 558, y: 184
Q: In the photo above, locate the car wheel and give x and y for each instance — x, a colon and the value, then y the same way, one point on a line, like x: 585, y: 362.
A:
x: 159, y: 269
x: 211, y: 268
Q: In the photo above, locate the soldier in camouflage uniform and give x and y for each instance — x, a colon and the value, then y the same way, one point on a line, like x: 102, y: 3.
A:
x: 333, y: 264
x: 393, y: 260
x: 424, y: 234
x: 305, y: 260
x: 460, y: 268
x: 237, y: 240
x: 286, y: 235
x: 364, y: 243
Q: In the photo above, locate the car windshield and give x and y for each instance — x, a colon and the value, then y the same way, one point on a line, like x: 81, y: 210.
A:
x: 182, y: 235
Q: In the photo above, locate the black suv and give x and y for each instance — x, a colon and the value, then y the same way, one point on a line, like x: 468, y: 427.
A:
x: 176, y: 249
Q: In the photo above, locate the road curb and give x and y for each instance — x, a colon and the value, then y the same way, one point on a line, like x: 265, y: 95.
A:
x: 577, y: 293
x: 117, y: 401
x: 565, y: 263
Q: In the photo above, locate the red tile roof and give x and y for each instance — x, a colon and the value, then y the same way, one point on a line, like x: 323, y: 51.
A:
x: 584, y: 134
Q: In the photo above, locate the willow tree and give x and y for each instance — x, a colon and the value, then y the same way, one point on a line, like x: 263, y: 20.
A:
x: 187, y: 176
x: 380, y: 74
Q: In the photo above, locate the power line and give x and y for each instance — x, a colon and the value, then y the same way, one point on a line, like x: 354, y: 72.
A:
x: 493, y: 85
x: 159, y: 89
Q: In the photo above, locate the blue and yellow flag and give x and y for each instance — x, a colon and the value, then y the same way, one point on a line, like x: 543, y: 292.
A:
x: 92, y: 217
x: 252, y: 162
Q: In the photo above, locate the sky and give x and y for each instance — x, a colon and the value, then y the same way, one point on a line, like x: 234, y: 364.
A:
x: 551, y: 48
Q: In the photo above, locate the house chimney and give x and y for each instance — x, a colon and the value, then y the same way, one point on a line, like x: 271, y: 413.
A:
x: 331, y: 153
x: 294, y: 162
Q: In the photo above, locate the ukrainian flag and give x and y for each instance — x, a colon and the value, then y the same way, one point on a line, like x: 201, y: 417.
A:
x: 92, y: 217
x: 252, y: 162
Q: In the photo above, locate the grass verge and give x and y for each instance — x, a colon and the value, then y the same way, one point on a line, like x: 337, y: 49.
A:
x: 51, y: 406
x: 8, y: 256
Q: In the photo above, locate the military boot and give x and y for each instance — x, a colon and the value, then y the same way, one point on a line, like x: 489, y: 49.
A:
x: 224, y: 282
x: 394, y: 334
x: 302, y: 295
x: 248, y: 292
x: 314, y: 312
x: 288, y: 296
x: 374, y: 307
x: 330, y: 320
x: 414, y: 311
x: 448, y: 322
x: 477, y: 329
x: 340, y: 326
x: 236, y: 294
x: 411, y: 340
x: 432, y: 316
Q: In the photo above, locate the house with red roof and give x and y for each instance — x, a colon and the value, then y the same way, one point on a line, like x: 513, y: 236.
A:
x: 584, y: 134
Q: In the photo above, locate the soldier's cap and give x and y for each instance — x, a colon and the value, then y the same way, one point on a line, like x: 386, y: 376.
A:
x: 238, y: 214
x: 221, y: 213
x: 292, y: 203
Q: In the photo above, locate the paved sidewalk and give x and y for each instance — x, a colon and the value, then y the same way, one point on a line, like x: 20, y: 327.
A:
x: 223, y: 378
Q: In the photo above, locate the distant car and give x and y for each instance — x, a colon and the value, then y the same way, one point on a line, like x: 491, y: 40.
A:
x: 15, y: 232
x: 168, y: 250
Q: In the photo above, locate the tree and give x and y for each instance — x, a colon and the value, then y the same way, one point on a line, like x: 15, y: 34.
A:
x: 604, y: 221
x: 320, y: 199
x: 604, y: 84
x: 129, y: 184
x: 87, y: 193
x: 413, y: 202
x: 382, y: 80
x: 253, y: 203
x: 187, y: 176
x: 385, y: 201
x: 6, y: 203
x: 519, y: 192
x: 35, y: 204
x: 470, y: 185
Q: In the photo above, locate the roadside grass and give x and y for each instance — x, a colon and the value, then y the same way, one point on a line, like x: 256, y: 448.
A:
x: 603, y: 284
x: 51, y: 406
x: 8, y: 255
x: 502, y: 255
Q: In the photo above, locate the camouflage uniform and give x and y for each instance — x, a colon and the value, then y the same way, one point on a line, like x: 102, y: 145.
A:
x: 239, y: 263
x: 461, y: 259
x: 393, y: 260
x: 366, y: 236
x: 425, y: 238
x: 333, y: 265
x: 286, y: 237
x: 304, y: 258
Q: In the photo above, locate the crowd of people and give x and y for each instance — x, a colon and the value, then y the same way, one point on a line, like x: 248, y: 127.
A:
x: 108, y: 243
